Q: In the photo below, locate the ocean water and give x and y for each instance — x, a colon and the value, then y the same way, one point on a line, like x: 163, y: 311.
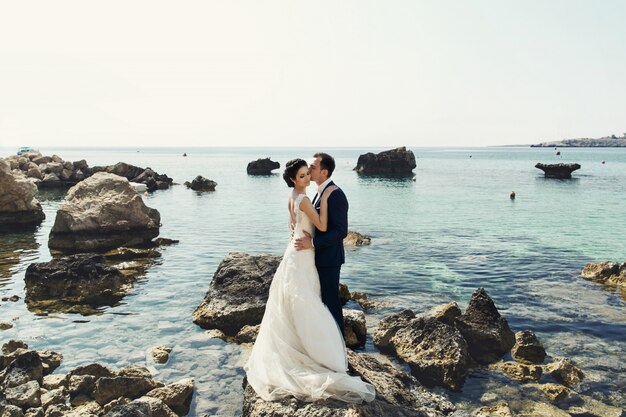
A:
x: 436, y: 237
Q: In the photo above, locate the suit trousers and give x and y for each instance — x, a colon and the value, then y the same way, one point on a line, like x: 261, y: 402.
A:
x: 329, y: 286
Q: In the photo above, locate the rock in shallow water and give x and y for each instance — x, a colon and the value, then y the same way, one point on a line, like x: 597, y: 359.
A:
x: 19, y: 208
x: 103, y: 212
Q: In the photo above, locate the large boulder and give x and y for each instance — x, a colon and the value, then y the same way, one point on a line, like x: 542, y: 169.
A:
x: 103, y: 212
x: 238, y: 293
x: 397, y: 394
x: 434, y: 349
x: 18, y: 206
x: 262, y: 167
x: 397, y: 161
x: 201, y: 184
x: 80, y: 278
x: 557, y: 170
x: 487, y: 333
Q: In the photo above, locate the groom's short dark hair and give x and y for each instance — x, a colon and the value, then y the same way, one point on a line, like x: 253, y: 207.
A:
x: 327, y: 162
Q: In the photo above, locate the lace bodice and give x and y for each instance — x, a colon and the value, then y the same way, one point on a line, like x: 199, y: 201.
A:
x: 303, y: 223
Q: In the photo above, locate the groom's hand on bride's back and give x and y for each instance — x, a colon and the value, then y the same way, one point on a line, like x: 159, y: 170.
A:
x: 303, y: 242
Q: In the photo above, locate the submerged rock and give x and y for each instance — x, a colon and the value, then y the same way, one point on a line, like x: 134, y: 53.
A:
x: 262, y: 167
x: 397, y: 161
x: 557, y: 170
x: 103, y: 212
x: 18, y: 206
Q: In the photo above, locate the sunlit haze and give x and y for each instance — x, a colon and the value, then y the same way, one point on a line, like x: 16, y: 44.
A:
x: 310, y: 73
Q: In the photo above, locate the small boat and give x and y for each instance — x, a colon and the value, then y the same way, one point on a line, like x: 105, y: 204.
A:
x: 25, y: 149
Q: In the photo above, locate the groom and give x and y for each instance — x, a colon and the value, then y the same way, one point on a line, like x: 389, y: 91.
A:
x: 329, y: 253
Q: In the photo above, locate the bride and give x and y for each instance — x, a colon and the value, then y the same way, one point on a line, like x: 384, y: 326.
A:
x: 300, y: 350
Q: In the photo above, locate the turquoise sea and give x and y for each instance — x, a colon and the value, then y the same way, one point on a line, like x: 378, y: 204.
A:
x: 435, y: 238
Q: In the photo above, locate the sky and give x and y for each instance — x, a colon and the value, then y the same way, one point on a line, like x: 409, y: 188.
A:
x: 310, y: 73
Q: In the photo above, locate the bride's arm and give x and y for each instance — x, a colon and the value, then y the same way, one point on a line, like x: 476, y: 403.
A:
x: 320, y: 221
x: 292, y: 220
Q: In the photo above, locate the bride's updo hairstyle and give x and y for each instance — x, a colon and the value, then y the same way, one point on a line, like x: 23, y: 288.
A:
x: 291, y: 168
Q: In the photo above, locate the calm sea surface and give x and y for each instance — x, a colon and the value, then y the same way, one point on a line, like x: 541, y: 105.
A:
x: 435, y: 238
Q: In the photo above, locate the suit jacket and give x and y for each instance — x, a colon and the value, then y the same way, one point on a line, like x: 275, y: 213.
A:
x: 329, y: 250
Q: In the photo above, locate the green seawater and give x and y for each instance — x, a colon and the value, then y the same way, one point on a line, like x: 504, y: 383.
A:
x: 436, y: 237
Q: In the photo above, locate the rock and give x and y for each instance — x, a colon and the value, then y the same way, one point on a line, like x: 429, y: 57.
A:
x: 397, y: 394
x: 117, y: 402
x: 262, y: 167
x: 356, y: 239
x: 537, y: 409
x: 161, y: 354
x: 54, y: 381
x: 35, y: 412
x: 133, y: 409
x: 344, y: 294
x: 5, y: 325
x: 388, y: 327
x: 89, y: 408
x: 487, y: 333
x: 11, y: 411
x: 527, y: 348
x: 55, y: 396
x: 446, y: 313
x: 136, y: 371
x: 557, y: 170
x: 501, y: 409
x: 555, y: 392
x: 94, y: 369
x: 81, y: 278
x: 564, y: 371
x: 238, y: 293
x: 19, y: 208
x: 397, y: 161
x: 177, y: 396
x: 58, y: 410
x: 26, y: 395
x: 107, y: 389
x: 355, y: 330
x: 362, y: 299
x: 103, y: 212
x: 50, y: 360
x: 81, y: 384
x: 13, y: 345
x: 25, y: 367
x: 519, y: 371
x: 607, y: 273
x: 201, y: 184
x: 162, y: 241
x: 247, y: 334
x: 157, y: 407
x: 435, y: 351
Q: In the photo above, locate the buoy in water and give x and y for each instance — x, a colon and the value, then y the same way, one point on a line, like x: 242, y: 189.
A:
x: 512, y: 195
x: 185, y: 154
x: 603, y: 162
x: 558, y: 152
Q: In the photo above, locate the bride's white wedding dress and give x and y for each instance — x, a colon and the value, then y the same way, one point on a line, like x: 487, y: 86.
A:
x: 300, y: 351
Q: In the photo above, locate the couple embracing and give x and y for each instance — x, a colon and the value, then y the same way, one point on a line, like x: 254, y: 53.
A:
x: 300, y: 351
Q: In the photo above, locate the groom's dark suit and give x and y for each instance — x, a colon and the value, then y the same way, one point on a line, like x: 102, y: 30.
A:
x: 329, y: 252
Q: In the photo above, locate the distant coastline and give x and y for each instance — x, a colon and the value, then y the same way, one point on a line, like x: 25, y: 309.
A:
x: 605, y: 142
